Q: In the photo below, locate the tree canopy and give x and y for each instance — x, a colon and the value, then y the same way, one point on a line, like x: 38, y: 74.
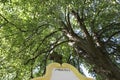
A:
x: 34, y: 33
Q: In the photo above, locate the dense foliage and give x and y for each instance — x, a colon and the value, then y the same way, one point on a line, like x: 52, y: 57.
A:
x: 34, y: 33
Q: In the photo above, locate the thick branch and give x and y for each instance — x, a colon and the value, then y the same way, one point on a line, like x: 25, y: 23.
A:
x: 82, y: 25
x: 69, y: 24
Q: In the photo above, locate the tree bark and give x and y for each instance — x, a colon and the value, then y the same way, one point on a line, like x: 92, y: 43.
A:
x: 93, y: 54
x: 87, y: 49
x: 102, y: 64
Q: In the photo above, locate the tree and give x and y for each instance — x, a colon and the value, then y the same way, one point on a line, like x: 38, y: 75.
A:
x: 36, y: 33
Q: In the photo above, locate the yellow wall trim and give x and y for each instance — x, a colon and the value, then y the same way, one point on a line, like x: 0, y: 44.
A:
x: 51, y: 66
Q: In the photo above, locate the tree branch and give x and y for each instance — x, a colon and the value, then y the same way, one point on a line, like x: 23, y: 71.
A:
x: 46, y: 51
x: 52, y: 33
x: 4, y: 17
x: 112, y: 36
x: 81, y: 23
x: 33, y: 33
x: 108, y: 28
x: 69, y: 23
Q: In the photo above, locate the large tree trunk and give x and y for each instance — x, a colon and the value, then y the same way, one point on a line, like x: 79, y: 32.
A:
x: 87, y: 48
x: 101, y: 62
x: 97, y: 57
